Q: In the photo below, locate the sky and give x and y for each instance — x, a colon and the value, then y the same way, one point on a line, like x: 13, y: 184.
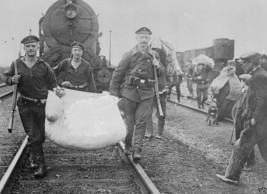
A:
x: 186, y: 24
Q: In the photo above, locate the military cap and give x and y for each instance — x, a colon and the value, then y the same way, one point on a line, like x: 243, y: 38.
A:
x: 249, y: 55
x: 143, y: 30
x: 30, y: 39
x: 77, y: 44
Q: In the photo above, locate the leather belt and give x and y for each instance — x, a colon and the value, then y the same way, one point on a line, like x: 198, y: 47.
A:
x: 163, y: 91
x: 78, y: 87
x: 34, y: 100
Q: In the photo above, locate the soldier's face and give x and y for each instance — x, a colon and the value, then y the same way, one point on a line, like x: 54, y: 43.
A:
x: 143, y: 40
x: 31, y: 49
x: 76, y: 52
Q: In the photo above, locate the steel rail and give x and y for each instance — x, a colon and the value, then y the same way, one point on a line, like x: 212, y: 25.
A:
x: 198, y: 110
x: 6, y: 94
x: 2, y: 85
x: 149, y: 185
x: 12, y: 167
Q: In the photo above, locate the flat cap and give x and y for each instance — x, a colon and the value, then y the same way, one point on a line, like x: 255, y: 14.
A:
x: 30, y: 39
x: 143, y: 30
x: 250, y: 55
x: 77, y: 44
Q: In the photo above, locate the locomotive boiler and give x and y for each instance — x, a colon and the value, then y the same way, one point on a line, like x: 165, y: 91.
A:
x: 67, y: 21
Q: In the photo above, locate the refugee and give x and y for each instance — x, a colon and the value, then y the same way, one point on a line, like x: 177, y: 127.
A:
x: 226, y: 89
x: 255, y: 118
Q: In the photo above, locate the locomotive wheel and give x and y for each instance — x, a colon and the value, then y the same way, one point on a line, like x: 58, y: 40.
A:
x: 104, y: 76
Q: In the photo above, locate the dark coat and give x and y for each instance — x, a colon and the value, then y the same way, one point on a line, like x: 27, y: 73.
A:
x: 35, y: 81
x: 119, y: 85
x: 83, y: 75
x: 257, y: 95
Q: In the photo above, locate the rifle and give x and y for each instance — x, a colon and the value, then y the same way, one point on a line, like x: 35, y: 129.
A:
x: 14, y: 100
x: 157, y: 92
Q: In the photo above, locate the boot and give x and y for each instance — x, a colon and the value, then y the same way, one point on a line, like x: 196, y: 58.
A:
x: 32, y: 159
x: 202, y: 106
x: 41, y: 171
x: 137, y: 155
x: 199, y: 105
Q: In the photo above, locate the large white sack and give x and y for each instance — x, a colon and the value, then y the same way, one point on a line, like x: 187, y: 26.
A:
x: 88, y: 120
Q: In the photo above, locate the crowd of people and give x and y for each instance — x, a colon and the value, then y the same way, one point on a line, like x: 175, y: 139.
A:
x: 143, y: 81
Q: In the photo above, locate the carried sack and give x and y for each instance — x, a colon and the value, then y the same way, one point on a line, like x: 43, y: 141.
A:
x: 82, y: 120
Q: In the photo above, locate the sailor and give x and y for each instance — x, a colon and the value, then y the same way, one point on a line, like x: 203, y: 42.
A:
x: 76, y: 73
x: 34, y: 79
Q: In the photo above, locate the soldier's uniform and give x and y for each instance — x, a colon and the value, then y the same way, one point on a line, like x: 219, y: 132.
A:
x: 33, y: 88
x: 136, y: 87
x: 252, y: 134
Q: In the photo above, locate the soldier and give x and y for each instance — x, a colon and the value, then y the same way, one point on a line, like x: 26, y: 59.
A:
x: 134, y: 80
x: 200, y: 76
x: 34, y: 79
x: 162, y: 82
x: 255, y: 116
x: 76, y: 73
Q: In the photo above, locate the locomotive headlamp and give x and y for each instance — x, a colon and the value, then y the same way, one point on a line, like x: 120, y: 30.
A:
x: 70, y: 10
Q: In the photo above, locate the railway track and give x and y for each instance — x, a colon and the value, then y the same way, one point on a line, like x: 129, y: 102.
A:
x: 9, y: 142
x: 194, y: 108
x: 72, y: 171
x: 5, y: 91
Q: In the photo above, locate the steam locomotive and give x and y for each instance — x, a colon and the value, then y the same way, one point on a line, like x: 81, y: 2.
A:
x: 221, y: 51
x: 67, y: 21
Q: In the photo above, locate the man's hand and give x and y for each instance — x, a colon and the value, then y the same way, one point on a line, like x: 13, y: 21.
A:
x: 252, y: 122
x: 156, y: 63
x: 15, y: 79
x: 67, y: 84
x: 59, y: 92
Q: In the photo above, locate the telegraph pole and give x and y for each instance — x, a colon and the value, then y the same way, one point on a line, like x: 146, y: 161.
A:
x: 110, y: 48
x: 30, y: 31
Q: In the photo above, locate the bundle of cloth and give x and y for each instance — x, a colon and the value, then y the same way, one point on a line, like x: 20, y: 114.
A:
x: 82, y: 120
x: 203, y: 59
x: 227, y: 75
x: 227, y: 89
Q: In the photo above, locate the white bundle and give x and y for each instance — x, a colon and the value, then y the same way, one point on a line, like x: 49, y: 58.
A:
x: 88, y: 121
x: 203, y: 59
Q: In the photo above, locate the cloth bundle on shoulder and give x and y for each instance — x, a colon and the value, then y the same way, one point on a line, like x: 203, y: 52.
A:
x: 82, y: 120
x: 234, y: 83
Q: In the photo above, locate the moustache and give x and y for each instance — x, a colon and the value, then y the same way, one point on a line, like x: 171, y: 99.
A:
x: 144, y: 42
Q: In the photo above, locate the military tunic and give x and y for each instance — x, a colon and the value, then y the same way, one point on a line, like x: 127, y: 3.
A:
x: 136, y: 98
